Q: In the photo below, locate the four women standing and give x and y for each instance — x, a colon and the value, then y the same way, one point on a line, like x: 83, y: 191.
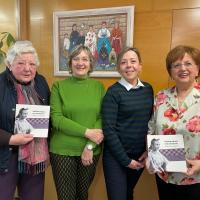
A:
x: 77, y: 132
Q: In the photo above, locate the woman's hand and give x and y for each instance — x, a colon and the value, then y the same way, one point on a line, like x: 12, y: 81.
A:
x: 95, y: 135
x: 194, y: 167
x: 140, y: 163
x: 19, y: 139
x: 142, y: 158
x: 87, y: 157
x: 135, y: 165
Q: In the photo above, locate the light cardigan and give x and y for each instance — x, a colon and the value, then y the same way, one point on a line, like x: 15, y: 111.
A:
x: 169, y: 119
x: 75, y: 106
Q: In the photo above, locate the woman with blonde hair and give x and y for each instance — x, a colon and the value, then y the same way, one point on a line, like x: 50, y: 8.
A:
x: 126, y: 110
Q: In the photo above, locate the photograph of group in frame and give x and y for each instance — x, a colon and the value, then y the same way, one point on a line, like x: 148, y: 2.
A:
x: 105, y: 31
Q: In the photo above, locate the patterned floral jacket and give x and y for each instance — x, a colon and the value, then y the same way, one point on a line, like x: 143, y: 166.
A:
x: 168, y: 118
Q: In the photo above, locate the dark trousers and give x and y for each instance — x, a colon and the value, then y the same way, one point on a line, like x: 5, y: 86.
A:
x: 168, y: 191
x: 72, y: 179
x: 29, y: 187
x: 120, y: 181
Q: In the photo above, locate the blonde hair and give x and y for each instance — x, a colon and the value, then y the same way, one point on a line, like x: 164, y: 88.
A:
x: 125, y: 50
x: 76, y: 51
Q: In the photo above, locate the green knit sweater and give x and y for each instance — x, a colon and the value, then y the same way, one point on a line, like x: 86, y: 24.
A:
x: 75, y: 106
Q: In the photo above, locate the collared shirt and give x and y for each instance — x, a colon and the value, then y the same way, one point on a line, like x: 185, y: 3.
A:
x: 129, y: 86
x: 169, y: 119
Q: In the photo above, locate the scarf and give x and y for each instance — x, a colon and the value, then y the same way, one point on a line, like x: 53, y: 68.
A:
x: 32, y: 157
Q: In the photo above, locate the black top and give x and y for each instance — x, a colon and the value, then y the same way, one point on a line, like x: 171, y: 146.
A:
x: 125, y: 120
x: 8, y: 100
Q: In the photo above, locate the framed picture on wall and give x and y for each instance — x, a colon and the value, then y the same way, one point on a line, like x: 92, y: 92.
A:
x: 104, y: 30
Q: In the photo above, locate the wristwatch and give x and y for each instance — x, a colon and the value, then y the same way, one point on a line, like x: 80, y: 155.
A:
x: 89, y: 147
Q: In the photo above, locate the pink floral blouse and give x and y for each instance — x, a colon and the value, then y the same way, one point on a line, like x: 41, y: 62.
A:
x: 168, y: 119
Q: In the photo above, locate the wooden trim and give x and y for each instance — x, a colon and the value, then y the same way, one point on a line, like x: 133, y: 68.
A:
x: 23, y: 10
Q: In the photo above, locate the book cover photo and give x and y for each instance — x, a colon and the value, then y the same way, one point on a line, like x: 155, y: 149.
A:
x: 166, y: 153
x: 32, y: 119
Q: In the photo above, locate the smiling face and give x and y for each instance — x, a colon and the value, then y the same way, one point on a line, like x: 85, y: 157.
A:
x: 80, y: 65
x: 23, y: 67
x: 130, y: 67
x: 185, y: 70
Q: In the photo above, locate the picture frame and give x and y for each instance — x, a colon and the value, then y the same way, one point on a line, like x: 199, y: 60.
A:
x: 104, y: 30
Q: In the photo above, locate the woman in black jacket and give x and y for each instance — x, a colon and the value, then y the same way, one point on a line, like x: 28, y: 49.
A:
x: 23, y: 158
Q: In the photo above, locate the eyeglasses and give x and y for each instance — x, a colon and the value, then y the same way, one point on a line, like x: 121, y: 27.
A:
x: 23, y: 64
x: 179, y: 65
x: 84, y: 59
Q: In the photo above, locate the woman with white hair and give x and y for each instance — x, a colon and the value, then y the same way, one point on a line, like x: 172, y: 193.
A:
x: 23, y: 158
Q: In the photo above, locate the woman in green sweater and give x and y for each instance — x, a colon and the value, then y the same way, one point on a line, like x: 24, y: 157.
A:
x: 77, y: 134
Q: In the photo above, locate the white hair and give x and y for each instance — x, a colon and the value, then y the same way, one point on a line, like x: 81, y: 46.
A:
x: 18, y: 48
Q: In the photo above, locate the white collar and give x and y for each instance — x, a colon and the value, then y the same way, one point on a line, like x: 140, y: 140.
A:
x: 128, y: 86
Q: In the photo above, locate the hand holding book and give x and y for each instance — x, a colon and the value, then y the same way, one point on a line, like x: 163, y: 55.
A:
x: 20, y: 139
x: 193, y: 167
x: 32, y: 119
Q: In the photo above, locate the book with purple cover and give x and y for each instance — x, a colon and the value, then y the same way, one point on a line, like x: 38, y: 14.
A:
x: 169, y: 150
x: 33, y: 119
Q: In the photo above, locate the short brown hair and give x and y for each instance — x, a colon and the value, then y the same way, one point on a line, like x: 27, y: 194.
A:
x: 126, y: 49
x: 76, y: 51
x: 178, y: 52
